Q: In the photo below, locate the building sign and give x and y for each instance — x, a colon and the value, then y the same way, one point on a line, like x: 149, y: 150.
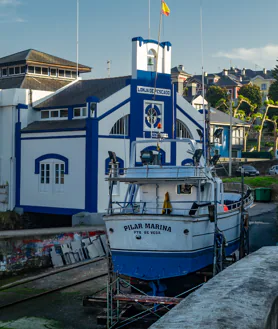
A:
x: 150, y: 90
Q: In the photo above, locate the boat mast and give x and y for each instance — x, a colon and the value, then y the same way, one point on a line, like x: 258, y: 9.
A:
x: 203, y: 84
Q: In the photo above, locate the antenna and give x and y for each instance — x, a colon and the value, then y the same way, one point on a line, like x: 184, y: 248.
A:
x: 109, y: 68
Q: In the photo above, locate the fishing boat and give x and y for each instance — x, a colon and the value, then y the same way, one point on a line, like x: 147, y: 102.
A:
x: 166, y: 225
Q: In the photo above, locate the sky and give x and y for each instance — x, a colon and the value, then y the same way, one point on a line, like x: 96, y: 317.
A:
x: 238, y: 33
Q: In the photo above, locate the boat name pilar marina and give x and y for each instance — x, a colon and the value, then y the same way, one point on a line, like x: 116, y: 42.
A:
x: 141, y: 226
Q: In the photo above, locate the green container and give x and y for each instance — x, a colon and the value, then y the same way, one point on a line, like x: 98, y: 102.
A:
x: 263, y: 194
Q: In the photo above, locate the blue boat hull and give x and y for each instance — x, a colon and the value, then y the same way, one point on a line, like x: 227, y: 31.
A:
x: 161, y: 265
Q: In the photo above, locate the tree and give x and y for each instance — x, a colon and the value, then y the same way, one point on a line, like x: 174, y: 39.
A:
x: 274, y: 121
x: 215, y: 94
x: 268, y: 104
x: 273, y: 91
x: 253, y: 94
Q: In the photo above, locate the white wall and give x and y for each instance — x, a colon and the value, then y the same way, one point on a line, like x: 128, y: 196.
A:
x: 119, y: 146
x: 139, y: 57
x: 73, y: 195
x: 9, y: 98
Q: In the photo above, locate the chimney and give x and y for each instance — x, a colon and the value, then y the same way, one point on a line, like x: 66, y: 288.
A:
x: 243, y: 71
x: 265, y: 71
x: 225, y: 72
x: 181, y: 67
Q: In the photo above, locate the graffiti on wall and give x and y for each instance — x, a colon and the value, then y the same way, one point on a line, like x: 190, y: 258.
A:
x: 36, y: 252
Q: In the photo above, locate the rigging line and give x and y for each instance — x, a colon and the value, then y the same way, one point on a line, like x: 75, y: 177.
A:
x: 158, y: 46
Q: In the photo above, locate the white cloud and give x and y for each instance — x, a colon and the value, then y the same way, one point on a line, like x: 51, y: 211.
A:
x: 268, y: 53
x: 9, y: 2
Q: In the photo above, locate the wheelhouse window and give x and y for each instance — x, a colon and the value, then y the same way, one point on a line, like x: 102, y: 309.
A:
x: 184, y: 189
x: 17, y: 70
x: 4, y: 72
x: 80, y: 112
x: 68, y: 74
x: 121, y: 127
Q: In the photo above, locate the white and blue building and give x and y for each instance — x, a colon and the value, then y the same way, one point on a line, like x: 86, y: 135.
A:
x: 62, y: 155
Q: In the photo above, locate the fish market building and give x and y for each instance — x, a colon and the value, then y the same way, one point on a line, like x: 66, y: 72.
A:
x: 62, y: 155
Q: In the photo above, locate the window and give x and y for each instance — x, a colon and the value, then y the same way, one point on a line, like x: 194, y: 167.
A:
x: 68, y: 74
x: 59, y: 173
x: 53, y: 72
x: 45, y: 173
x: 80, y: 112
x: 11, y: 70
x: 181, y: 130
x: 4, y: 72
x: 38, y: 70
x: 73, y: 74
x: 52, y: 176
x: 44, y: 114
x: 44, y: 71
x: 54, y: 114
x: 184, y: 189
x: 31, y: 69
x: 61, y: 73
x: 263, y: 86
x: 17, y: 70
x: 63, y: 113
x: 121, y: 127
x: 238, y: 136
x: 22, y: 69
x: 151, y: 58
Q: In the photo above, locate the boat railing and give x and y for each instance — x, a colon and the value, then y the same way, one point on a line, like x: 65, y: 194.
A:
x: 192, y: 208
x: 165, y: 172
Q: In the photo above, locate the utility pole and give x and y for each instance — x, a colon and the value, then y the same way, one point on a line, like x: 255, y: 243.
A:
x: 231, y: 136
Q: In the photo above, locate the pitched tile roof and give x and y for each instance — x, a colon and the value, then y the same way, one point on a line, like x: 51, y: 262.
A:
x: 78, y: 92
x: 35, y: 83
x: 35, y: 56
x: 54, y: 125
x: 10, y: 83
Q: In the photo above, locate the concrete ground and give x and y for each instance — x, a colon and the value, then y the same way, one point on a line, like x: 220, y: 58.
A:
x: 59, y: 310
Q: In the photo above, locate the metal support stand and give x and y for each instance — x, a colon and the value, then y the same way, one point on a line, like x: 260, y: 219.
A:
x: 219, y: 241
x: 244, y: 232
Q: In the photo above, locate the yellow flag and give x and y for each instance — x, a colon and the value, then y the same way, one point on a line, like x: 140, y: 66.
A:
x: 165, y: 9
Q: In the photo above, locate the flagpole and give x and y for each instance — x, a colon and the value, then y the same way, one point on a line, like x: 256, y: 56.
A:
x: 77, y: 37
x: 157, y: 55
x: 203, y: 83
x: 149, y: 35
